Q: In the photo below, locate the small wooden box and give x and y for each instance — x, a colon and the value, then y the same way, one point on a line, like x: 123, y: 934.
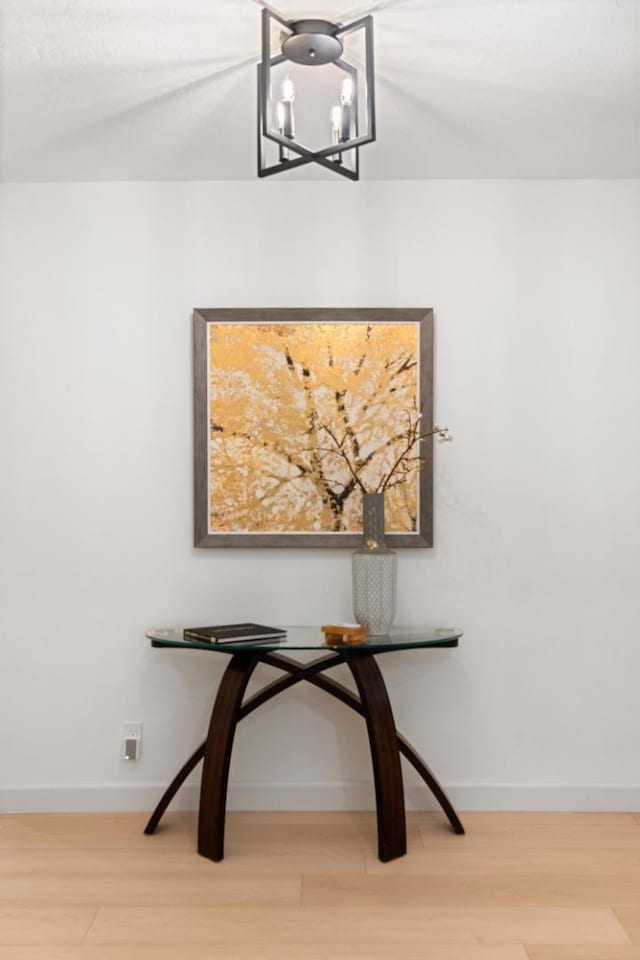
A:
x: 340, y: 634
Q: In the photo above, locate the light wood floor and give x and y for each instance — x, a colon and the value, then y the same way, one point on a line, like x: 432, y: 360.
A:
x: 308, y: 886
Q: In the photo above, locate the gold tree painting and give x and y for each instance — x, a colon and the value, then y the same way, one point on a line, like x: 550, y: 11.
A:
x: 303, y: 415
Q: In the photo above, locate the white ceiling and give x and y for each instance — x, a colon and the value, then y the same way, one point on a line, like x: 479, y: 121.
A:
x: 165, y: 89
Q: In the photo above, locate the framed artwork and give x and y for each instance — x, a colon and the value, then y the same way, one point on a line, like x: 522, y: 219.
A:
x: 298, y: 412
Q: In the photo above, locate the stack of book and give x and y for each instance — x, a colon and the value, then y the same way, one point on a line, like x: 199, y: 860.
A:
x: 235, y: 633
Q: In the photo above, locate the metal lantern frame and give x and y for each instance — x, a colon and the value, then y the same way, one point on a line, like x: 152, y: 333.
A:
x: 325, y: 156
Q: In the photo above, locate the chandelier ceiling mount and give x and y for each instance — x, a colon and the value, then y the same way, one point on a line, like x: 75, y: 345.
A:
x: 312, y: 43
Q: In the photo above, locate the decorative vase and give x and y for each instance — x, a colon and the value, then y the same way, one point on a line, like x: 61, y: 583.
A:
x: 374, y: 571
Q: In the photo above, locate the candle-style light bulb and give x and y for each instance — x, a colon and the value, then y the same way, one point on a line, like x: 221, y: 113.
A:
x: 288, y: 90
x: 346, y: 95
x: 286, y: 119
x: 346, y: 99
x: 336, y: 127
x: 336, y: 122
x: 281, y: 117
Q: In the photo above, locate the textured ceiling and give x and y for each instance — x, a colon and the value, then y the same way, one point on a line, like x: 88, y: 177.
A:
x: 159, y: 90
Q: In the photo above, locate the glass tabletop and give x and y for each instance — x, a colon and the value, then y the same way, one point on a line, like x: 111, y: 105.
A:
x: 312, y: 638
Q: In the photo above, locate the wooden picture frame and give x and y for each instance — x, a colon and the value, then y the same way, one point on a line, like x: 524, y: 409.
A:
x: 281, y: 397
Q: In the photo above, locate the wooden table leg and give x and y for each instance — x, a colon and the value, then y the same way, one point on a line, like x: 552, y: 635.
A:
x: 217, y: 754
x: 342, y: 693
x: 383, y: 739
x: 173, y: 788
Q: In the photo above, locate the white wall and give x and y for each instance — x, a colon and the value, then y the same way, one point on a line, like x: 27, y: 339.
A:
x: 537, y: 297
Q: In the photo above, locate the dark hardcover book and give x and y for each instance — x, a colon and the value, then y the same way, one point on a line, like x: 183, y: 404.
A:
x: 234, y: 633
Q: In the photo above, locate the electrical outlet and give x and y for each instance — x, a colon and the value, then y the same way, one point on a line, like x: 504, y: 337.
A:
x: 131, y: 740
x: 132, y: 730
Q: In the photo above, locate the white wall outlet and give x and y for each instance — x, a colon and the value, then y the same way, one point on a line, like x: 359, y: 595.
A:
x: 131, y: 740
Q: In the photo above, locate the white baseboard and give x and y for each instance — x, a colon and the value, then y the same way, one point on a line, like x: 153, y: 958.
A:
x: 350, y: 795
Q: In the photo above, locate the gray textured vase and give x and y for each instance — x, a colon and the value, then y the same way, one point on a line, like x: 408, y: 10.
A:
x: 374, y: 571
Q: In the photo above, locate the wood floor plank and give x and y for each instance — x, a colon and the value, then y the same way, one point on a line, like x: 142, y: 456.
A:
x: 48, y: 862
x: 289, y: 860
x: 98, y: 826
x: 622, y: 951
x: 240, y: 860
x: 629, y: 917
x: 296, y: 951
x: 507, y: 861
x: 350, y: 820
x: 66, y: 831
x: 43, y: 925
x: 524, y: 818
x: 353, y: 925
x: 76, y: 886
x: 356, y: 827
x: 577, y: 835
x: 491, y: 889
x: 13, y: 831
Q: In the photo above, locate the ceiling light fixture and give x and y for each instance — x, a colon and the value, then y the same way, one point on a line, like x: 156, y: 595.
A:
x: 321, y: 116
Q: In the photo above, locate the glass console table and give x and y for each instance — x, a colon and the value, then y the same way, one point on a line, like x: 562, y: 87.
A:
x: 372, y: 703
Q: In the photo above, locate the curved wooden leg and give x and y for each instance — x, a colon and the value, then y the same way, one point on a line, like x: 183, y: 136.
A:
x: 432, y: 782
x: 383, y: 740
x: 296, y: 672
x: 173, y: 788
x: 217, y: 755
x: 342, y: 693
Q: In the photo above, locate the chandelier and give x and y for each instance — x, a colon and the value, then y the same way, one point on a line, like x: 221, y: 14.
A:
x: 321, y: 115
